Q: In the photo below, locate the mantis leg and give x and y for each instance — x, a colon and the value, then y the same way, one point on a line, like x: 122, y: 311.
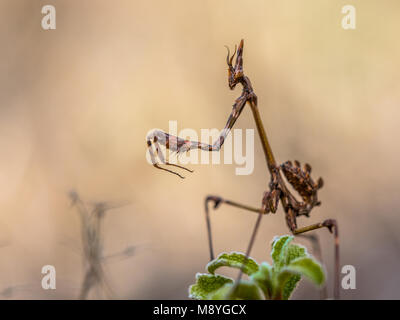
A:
x: 314, y: 239
x: 160, y: 155
x: 333, y: 228
x: 217, y: 202
x: 179, y: 145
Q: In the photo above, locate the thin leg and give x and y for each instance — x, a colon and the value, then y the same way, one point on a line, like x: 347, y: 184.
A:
x: 249, y: 247
x: 217, y: 202
x: 161, y: 157
x: 314, y: 239
x: 333, y: 228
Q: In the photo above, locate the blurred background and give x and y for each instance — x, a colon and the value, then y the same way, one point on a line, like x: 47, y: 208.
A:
x: 78, y: 101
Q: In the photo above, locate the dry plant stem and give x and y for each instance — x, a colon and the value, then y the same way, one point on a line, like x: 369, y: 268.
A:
x: 92, y: 241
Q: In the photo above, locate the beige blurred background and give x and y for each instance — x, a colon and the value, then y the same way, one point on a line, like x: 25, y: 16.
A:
x: 78, y: 101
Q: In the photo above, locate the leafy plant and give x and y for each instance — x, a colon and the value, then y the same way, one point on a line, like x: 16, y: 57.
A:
x: 274, y: 282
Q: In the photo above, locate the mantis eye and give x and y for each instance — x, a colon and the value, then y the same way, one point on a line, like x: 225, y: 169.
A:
x: 238, y: 75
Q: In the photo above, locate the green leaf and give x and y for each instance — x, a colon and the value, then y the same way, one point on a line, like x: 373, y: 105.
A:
x: 285, y: 275
x: 234, y: 260
x: 308, y: 267
x: 264, y: 279
x: 285, y: 284
x: 294, y: 251
x: 290, y: 263
x: 206, y: 284
x: 246, y: 290
x: 278, y: 252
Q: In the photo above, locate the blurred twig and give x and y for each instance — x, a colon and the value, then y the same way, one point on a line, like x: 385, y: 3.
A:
x: 92, y: 241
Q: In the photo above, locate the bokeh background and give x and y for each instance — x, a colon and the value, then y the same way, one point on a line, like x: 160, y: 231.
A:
x: 78, y: 101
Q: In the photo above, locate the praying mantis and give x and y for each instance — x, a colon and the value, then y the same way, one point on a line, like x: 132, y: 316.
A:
x: 297, y: 176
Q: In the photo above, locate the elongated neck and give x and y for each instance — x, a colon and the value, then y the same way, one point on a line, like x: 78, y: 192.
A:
x: 252, y: 99
x: 263, y: 136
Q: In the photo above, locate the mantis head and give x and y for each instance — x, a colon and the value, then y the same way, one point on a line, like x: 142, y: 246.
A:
x: 235, y: 73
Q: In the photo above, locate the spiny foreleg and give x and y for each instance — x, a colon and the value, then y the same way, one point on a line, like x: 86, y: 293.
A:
x: 179, y: 145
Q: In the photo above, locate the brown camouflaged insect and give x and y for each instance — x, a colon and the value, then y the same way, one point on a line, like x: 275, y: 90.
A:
x: 298, y: 177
